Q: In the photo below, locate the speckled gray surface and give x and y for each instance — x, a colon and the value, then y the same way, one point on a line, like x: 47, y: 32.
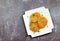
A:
x: 11, y: 22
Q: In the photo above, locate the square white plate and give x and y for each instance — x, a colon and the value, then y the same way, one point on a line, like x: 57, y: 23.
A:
x: 45, y: 13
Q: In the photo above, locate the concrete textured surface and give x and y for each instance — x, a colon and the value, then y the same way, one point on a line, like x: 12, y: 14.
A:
x: 11, y: 22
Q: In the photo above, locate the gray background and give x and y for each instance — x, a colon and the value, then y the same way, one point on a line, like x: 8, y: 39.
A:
x: 11, y: 22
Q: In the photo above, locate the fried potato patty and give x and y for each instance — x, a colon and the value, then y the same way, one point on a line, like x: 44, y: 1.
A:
x: 42, y: 22
x: 34, y: 17
x: 34, y: 27
x: 37, y: 22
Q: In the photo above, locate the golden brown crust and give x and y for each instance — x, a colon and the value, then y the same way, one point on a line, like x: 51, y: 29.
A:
x: 42, y: 22
x: 34, y: 17
x: 34, y: 27
x: 37, y: 22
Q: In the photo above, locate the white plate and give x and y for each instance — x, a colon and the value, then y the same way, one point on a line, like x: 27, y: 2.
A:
x: 45, y: 13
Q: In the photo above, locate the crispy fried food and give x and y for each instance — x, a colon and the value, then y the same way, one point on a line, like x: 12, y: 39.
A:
x: 34, y: 27
x: 37, y: 22
x: 42, y: 22
x: 34, y: 17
